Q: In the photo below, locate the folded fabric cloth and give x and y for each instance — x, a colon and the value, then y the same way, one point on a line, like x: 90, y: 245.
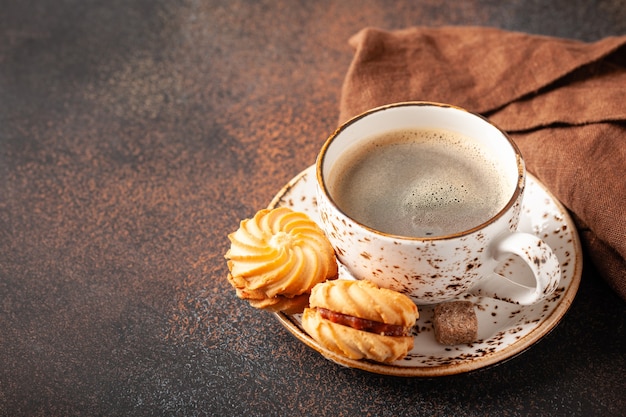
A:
x: 562, y: 101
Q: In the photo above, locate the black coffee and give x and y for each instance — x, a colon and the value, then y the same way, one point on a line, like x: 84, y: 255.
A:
x: 420, y: 183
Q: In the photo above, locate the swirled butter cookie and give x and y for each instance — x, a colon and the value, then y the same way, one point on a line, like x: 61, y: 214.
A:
x: 276, y: 257
x: 359, y: 320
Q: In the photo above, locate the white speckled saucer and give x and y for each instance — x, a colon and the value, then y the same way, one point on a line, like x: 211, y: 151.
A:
x: 504, y: 330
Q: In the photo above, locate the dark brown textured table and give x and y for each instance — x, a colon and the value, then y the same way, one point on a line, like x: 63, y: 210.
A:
x: 135, y: 134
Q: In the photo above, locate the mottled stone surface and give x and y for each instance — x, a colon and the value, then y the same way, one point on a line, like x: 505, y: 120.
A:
x: 134, y: 135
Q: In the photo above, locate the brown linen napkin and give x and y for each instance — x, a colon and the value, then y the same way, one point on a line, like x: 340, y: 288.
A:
x: 562, y: 101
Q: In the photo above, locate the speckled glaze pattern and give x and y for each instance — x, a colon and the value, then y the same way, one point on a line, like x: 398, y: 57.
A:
x: 429, y: 271
x: 435, y: 269
x: 504, y: 329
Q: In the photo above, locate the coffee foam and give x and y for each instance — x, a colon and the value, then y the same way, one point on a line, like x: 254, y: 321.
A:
x: 419, y: 183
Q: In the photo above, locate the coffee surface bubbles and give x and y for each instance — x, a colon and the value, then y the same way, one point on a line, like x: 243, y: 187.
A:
x: 419, y: 183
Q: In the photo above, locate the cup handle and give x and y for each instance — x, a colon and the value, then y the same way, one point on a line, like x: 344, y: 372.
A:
x: 540, y: 259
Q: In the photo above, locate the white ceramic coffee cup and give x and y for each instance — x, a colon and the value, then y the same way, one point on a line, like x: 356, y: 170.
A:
x: 438, y: 268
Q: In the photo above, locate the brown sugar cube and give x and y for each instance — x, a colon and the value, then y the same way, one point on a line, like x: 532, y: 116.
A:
x: 455, y: 322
